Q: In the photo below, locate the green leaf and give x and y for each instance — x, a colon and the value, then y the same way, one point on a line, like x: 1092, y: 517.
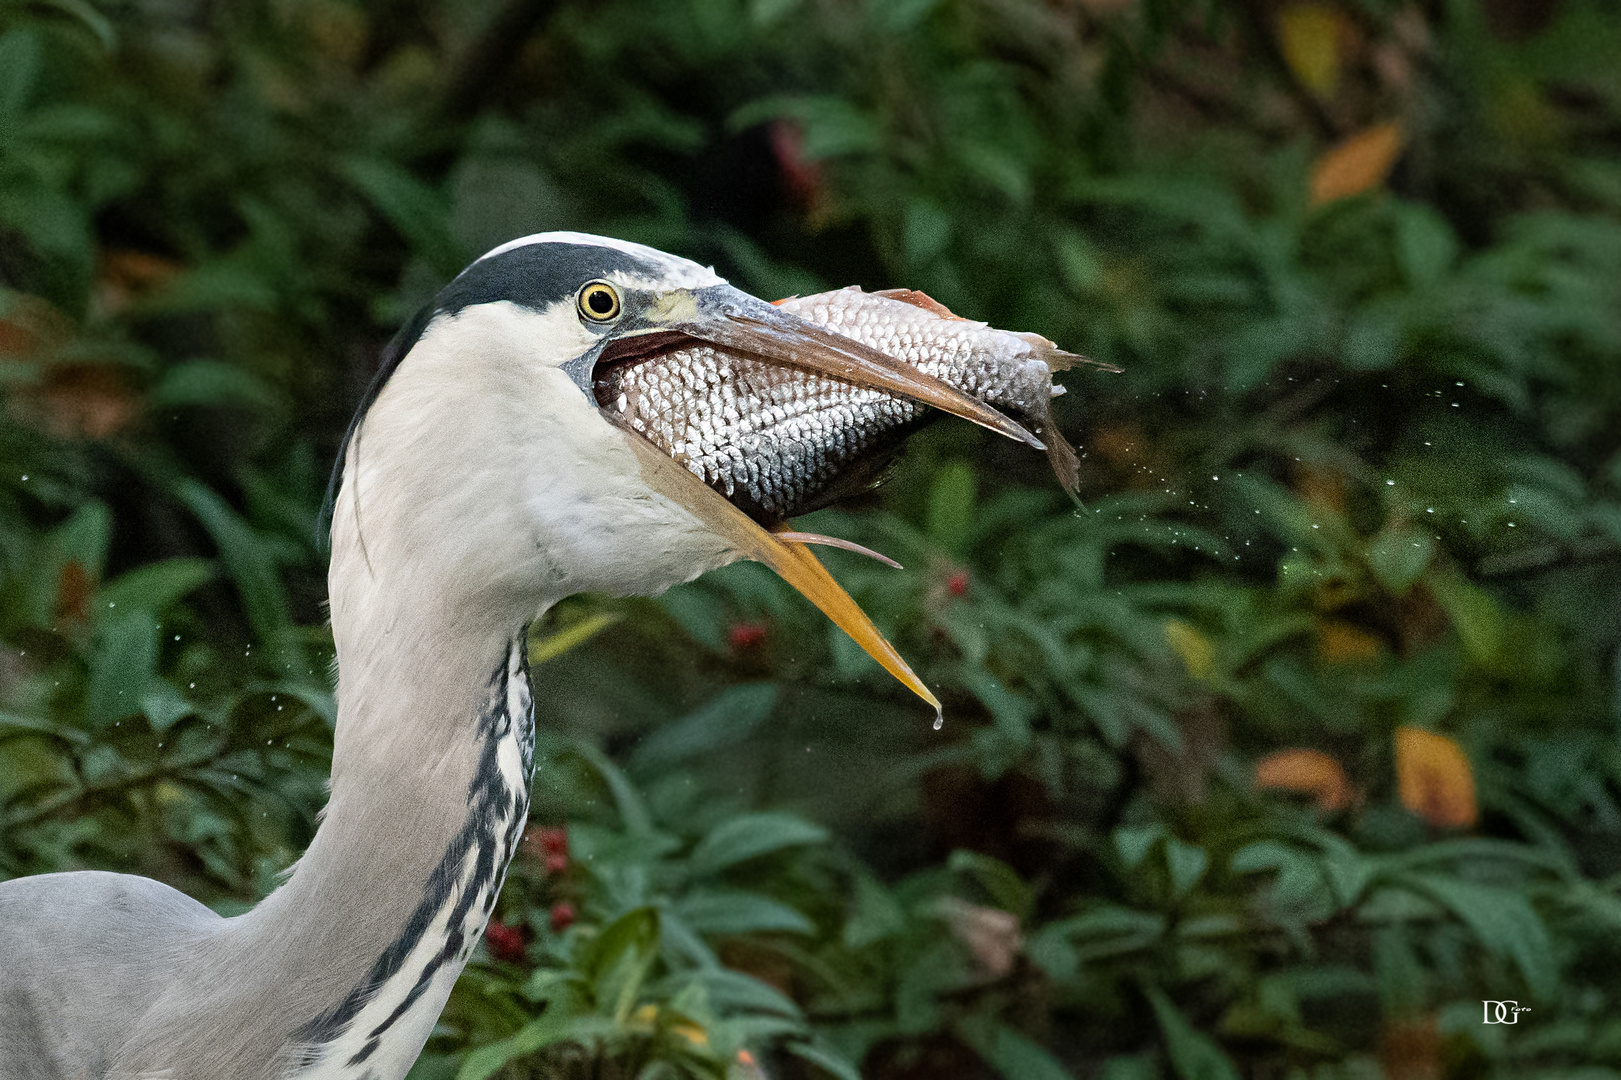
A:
x: 419, y: 212
x: 1013, y: 715
x: 1398, y: 557
x: 1186, y: 863
x: 950, y: 517
x: 84, y: 537
x: 163, y: 705
x: 155, y: 587
x: 825, y: 1058
x: 1006, y: 889
x: 318, y: 699
x: 486, y: 1061
x: 877, y: 915
x: 1107, y: 930
x: 831, y: 125
x: 1479, y: 620
x: 1425, y: 244
x: 1009, y: 1053
x: 749, y: 836
x: 925, y: 233
x: 20, y: 58
x: 633, y: 810
x: 1373, y: 338
x: 210, y: 382
x: 1194, y: 1055
x: 736, y: 911
x: 247, y: 558
x: 1131, y: 1067
x: 728, y: 989
x: 1502, y: 919
x: 91, y: 19
x: 123, y: 663
x: 725, y: 720
x: 1133, y: 842
x: 620, y: 959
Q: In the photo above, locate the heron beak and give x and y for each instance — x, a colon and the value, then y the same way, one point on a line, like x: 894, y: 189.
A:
x: 792, y: 560
x: 728, y: 317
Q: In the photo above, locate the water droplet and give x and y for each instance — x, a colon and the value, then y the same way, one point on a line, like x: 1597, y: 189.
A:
x: 939, y: 721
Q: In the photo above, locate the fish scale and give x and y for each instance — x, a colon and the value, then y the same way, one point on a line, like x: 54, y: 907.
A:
x: 780, y: 442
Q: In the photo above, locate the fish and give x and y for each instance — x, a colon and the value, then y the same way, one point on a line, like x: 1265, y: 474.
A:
x: 779, y: 442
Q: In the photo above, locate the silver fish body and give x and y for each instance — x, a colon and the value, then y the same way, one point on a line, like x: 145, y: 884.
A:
x: 779, y: 442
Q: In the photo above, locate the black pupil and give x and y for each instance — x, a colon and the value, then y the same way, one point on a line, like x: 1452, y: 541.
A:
x: 600, y: 301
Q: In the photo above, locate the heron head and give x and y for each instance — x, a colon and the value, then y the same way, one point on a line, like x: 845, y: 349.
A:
x: 481, y: 471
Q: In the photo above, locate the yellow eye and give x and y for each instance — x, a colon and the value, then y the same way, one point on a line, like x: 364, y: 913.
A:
x: 599, y: 301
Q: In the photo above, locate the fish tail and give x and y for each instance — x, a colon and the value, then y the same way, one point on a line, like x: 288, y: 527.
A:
x: 1065, y: 461
x: 1059, y: 360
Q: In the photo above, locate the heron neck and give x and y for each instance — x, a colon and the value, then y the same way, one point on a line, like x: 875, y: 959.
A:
x: 343, y: 970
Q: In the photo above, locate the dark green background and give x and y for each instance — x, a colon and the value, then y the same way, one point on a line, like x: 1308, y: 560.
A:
x: 1362, y: 472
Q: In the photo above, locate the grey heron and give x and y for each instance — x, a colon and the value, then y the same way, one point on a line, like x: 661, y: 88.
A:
x: 480, y: 484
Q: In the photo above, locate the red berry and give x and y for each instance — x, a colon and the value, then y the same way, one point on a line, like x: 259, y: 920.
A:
x: 801, y: 175
x: 957, y: 583
x: 562, y: 916
x: 505, y: 942
x: 554, y: 841
x: 557, y: 862
x: 745, y: 635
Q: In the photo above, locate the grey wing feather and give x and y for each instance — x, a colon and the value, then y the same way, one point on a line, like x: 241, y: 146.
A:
x: 82, y: 957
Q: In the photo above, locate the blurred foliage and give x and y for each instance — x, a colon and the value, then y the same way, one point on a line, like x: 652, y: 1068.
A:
x: 1295, y: 743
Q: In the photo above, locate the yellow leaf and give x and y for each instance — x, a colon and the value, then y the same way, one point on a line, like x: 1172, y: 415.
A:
x: 1434, y: 778
x: 1194, y: 648
x: 1309, y: 36
x: 1341, y: 643
x: 1309, y: 771
x: 694, y: 1034
x: 1358, y: 164
x: 555, y: 645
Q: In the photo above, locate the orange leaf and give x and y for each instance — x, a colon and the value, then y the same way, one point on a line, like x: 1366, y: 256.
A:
x: 1411, y: 1049
x: 125, y: 275
x: 85, y: 401
x: 1358, y: 164
x: 1434, y: 778
x: 73, y: 591
x: 1309, y: 771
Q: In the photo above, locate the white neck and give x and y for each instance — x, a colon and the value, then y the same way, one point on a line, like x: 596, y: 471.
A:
x: 482, y: 487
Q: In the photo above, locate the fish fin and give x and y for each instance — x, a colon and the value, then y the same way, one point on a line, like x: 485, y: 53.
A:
x: 917, y: 298
x: 1057, y: 359
x: 1065, y: 462
x: 790, y: 536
